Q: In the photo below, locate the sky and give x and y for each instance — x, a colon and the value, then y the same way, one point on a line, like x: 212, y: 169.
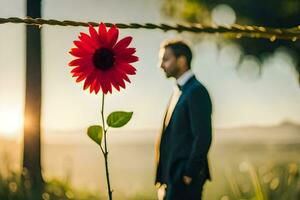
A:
x: 239, y: 97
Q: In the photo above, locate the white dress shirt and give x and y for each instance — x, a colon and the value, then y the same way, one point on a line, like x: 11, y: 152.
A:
x: 184, y: 77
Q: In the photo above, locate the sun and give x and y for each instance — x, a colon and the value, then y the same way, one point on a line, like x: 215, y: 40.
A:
x: 10, y: 122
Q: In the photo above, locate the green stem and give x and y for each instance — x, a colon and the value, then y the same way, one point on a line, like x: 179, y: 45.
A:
x: 105, y: 153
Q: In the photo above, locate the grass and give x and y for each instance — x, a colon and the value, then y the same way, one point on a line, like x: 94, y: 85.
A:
x: 279, y: 181
x: 12, y: 189
x: 244, y: 182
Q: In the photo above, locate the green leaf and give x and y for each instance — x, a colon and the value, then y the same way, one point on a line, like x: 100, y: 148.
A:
x: 95, y: 133
x: 118, y: 119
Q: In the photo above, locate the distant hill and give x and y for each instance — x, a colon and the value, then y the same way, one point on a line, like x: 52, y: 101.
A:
x: 284, y: 132
x: 285, y: 126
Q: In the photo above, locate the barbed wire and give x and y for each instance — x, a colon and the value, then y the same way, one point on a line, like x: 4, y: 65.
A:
x: 233, y: 31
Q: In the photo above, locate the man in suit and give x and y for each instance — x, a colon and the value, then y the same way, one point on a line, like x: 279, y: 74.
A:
x: 181, y: 151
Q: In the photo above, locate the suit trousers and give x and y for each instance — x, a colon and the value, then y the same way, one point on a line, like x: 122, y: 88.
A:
x: 181, y: 191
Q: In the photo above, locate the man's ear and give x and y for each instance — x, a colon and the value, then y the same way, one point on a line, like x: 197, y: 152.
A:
x: 181, y: 61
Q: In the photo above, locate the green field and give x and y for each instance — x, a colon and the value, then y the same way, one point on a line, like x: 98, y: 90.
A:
x: 246, y: 163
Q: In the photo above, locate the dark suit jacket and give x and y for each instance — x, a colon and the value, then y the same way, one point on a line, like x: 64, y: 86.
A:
x: 185, y: 141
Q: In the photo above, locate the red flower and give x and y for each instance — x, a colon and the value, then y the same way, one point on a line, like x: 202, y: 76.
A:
x: 101, y: 61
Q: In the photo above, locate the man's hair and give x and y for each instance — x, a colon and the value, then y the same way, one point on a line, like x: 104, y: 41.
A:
x: 179, y: 48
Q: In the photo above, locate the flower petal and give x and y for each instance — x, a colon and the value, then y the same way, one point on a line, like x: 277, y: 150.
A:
x: 122, y: 44
x: 104, y: 84
x: 120, y: 80
x: 89, y: 80
x: 126, y: 58
x: 127, y: 68
x: 115, y: 78
x: 92, y: 86
x: 76, y: 70
x: 97, y: 86
x: 87, y: 40
x: 77, y: 74
x: 78, y: 52
x: 123, y: 76
x: 80, y: 78
x: 84, y: 46
x: 127, y: 51
x: 112, y: 36
x: 94, y: 34
x: 102, y: 34
x: 78, y: 61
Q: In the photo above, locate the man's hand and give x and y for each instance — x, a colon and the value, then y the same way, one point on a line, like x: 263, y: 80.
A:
x: 187, y: 180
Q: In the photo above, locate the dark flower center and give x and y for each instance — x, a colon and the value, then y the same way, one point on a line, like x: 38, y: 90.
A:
x: 103, y: 59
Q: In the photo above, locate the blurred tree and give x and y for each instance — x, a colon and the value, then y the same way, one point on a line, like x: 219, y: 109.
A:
x: 270, y: 13
x: 32, y: 132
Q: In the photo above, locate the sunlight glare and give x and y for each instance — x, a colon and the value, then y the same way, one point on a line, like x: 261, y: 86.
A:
x: 10, y: 122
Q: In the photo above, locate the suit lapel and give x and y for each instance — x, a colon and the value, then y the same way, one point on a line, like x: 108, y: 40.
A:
x: 168, y: 118
x: 174, y: 100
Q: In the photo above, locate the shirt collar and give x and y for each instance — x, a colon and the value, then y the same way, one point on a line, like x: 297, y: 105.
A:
x: 184, y: 77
